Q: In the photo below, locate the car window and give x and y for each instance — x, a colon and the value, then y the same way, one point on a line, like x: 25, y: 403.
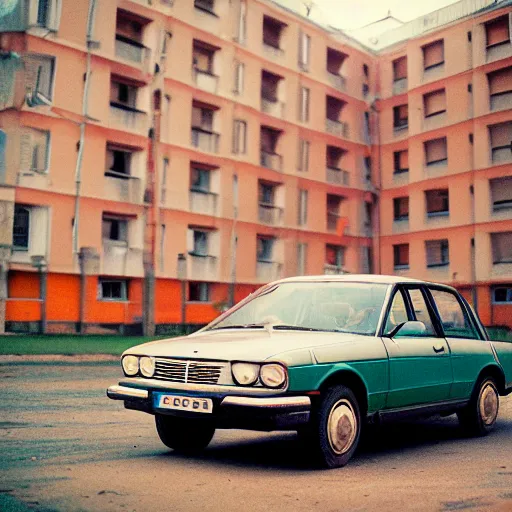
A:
x: 455, y: 322
x: 421, y: 311
x: 397, y: 314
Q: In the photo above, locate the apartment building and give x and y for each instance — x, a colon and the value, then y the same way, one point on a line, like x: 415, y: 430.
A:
x: 162, y: 159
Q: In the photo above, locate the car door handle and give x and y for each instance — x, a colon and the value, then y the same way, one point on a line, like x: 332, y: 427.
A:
x: 438, y: 348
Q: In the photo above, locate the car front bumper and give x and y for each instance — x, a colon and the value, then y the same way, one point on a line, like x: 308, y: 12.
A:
x: 266, y: 413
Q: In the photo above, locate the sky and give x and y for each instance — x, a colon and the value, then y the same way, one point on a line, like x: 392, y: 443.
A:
x: 352, y: 14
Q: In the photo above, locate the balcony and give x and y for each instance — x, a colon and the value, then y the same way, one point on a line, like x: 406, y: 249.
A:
x: 270, y: 160
x: 119, y: 259
x: 203, y: 268
x: 337, y: 176
x: 272, y: 51
x: 337, y: 81
x: 399, y: 86
x: 332, y: 222
x: 126, y: 118
x: 501, y: 101
x: 272, y: 107
x: 333, y: 270
x: 499, y: 51
x: 267, y: 271
x: 338, y: 128
x: 206, y: 81
x: 270, y: 214
x: 133, y: 51
x: 203, y: 202
x: 125, y: 189
x: 205, y: 140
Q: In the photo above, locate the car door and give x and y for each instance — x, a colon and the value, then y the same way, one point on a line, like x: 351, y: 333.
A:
x: 470, y: 351
x: 419, y: 366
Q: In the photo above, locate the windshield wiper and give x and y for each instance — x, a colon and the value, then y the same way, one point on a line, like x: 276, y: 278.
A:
x: 294, y: 328
x: 239, y: 326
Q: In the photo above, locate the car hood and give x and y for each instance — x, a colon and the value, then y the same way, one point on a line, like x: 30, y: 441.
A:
x: 243, y: 344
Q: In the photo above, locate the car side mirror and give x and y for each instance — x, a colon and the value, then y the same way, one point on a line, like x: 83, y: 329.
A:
x: 409, y: 328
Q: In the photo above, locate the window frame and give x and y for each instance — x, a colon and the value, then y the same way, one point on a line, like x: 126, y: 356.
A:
x: 22, y: 248
x: 508, y: 300
x: 396, y: 162
x: 396, y: 209
x: 200, y: 285
x: 400, y: 266
x: 124, y: 295
x: 444, y: 244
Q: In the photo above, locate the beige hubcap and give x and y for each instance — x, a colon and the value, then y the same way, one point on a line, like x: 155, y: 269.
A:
x: 488, y: 404
x: 341, y: 426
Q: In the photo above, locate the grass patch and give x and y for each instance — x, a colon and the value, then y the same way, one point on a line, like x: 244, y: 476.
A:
x: 69, y: 345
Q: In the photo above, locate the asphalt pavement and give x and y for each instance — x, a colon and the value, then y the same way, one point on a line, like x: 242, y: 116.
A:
x: 67, y: 447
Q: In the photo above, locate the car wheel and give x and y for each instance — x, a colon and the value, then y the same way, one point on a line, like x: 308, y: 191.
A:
x: 337, y: 428
x: 183, y: 434
x: 479, y: 416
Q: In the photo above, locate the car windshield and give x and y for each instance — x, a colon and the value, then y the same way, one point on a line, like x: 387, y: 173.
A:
x: 315, y: 306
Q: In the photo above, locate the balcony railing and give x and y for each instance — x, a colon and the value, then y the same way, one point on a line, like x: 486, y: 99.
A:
x: 203, y: 202
x: 501, y: 101
x: 337, y: 176
x: 400, y: 86
x: 123, y: 188
x: 332, y: 221
x: 270, y: 214
x: 205, y: 140
x: 274, y: 108
x: 203, y: 268
x: 270, y: 160
x: 267, y: 271
x: 332, y: 270
x: 499, y: 51
x: 130, y: 50
x: 337, y: 81
x: 206, y: 81
x: 338, y: 128
x: 272, y: 51
x: 126, y: 118
x: 501, y: 154
x: 120, y: 259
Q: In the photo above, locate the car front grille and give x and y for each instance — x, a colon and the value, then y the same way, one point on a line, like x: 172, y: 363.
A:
x: 196, y: 372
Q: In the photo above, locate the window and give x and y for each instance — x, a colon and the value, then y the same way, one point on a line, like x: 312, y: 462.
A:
x: 239, y: 137
x: 433, y: 55
x: 239, y: 77
x: 366, y: 71
x: 199, y: 180
x: 438, y: 254
x: 368, y: 168
x: 272, y: 32
x: 500, y: 88
x: 497, y: 32
x: 198, y: 292
x: 335, y: 60
x: 397, y: 314
x: 123, y: 94
x: 35, y: 150
x: 46, y: 14
x: 501, y: 193
x: 270, y: 86
x: 303, y: 155
x: 265, y: 247
x: 334, y: 107
x: 501, y: 247
x: 501, y: 142
x: 304, y: 50
x: 399, y: 69
x: 366, y: 128
x: 502, y: 295
x: 434, y: 103
x: 115, y: 229
x: 118, y: 162
x: 456, y: 323
x: 303, y: 207
x: 401, y: 256
x: 165, y: 171
x: 266, y: 193
x: 401, y: 161
x: 334, y: 156
x: 202, y: 117
x: 203, y: 56
x: 109, y: 289
x: 335, y: 255
x: 3, y: 146
x: 421, y: 311
x: 39, y: 77
x: 304, y: 104
x: 401, y: 208
x: 21, y: 228
x: 242, y: 21
x: 199, y: 243
x: 437, y: 202
x: 400, y: 117
x: 302, y: 254
x: 205, y: 5
x: 436, y: 151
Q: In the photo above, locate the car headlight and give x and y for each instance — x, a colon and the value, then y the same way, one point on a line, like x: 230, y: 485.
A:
x: 147, y: 366
x: 273, y: 375
x: 245, y: 374
x: 130, y: 365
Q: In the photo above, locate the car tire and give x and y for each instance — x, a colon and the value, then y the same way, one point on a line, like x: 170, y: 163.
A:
x: 479, y: 416
x: 183, y: 434
x: 336, y: 428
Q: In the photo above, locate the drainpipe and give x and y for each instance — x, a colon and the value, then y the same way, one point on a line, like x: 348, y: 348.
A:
x: 39, y: 262
x: 83, y: 284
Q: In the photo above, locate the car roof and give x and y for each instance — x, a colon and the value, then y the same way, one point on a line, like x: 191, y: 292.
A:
x: 354, y: 278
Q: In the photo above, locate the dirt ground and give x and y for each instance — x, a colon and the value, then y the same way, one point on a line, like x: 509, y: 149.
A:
x: 66, y: 447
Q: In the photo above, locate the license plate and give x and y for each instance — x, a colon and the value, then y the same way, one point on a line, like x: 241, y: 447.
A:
x: 185, y: 403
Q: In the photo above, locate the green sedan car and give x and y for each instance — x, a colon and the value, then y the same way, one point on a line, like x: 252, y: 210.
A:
x: 322, y: 356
